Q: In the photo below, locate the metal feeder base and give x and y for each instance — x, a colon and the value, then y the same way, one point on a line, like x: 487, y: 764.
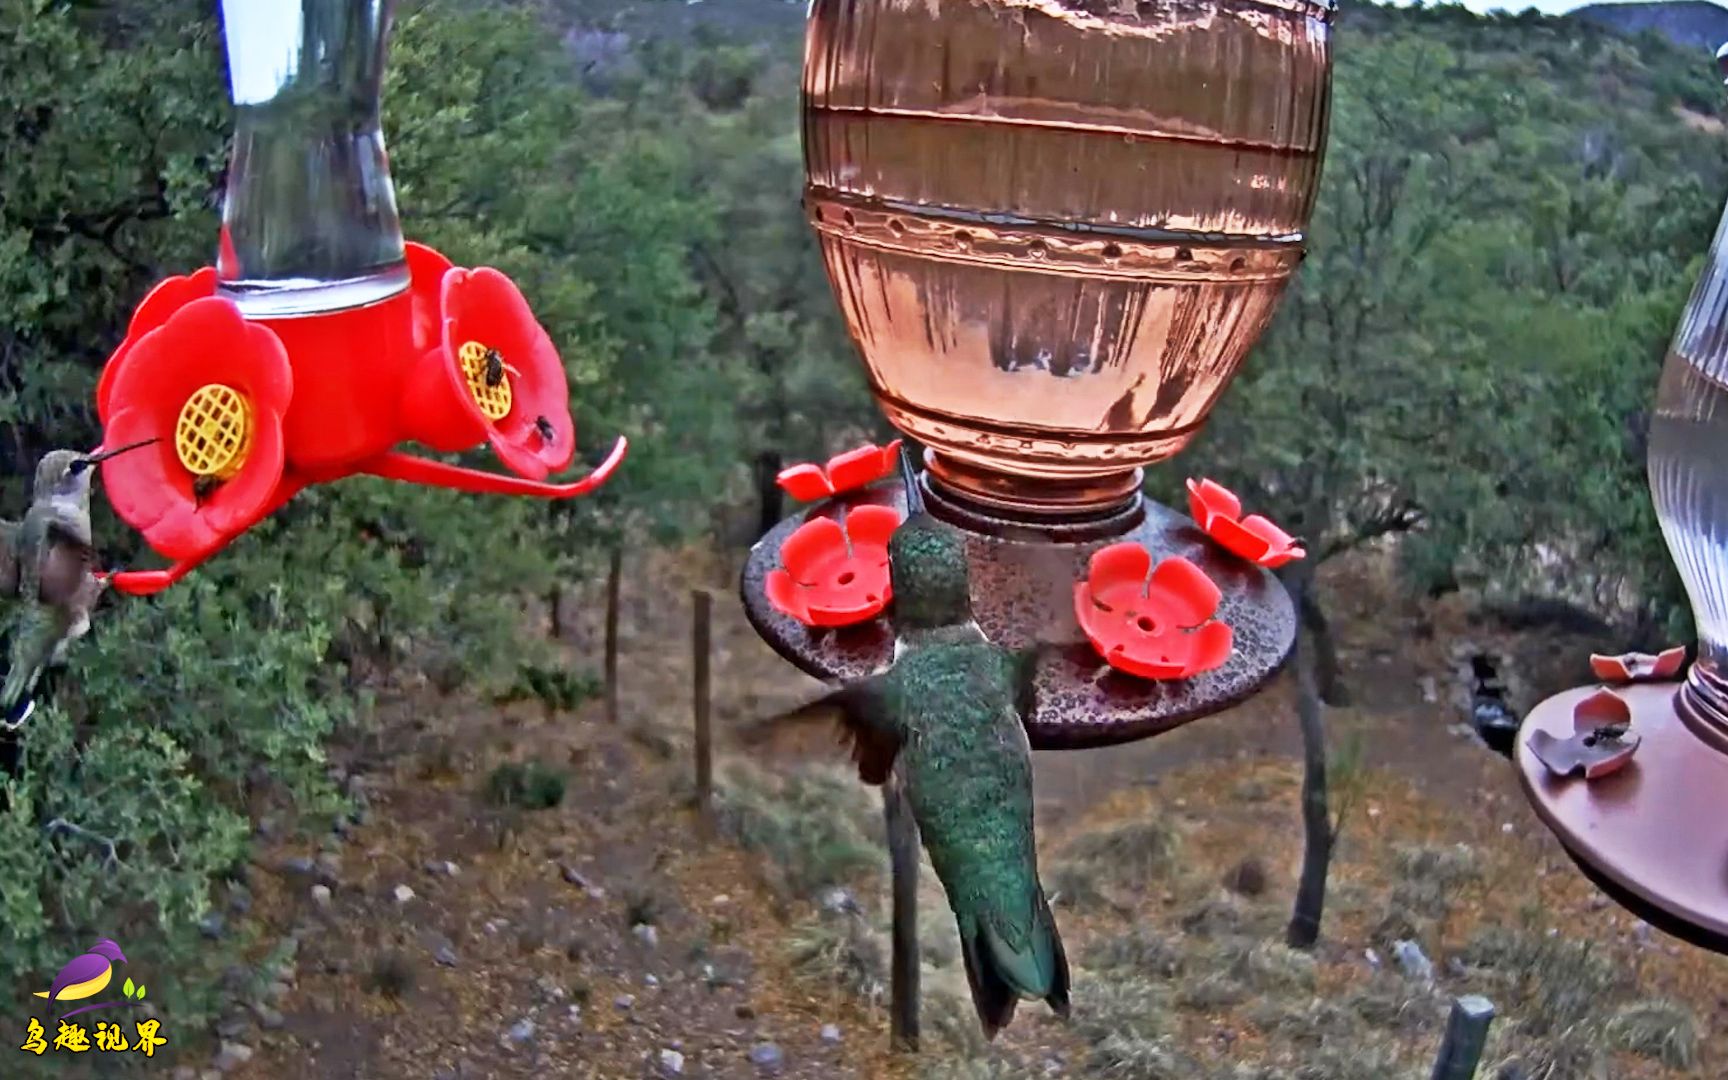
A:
x: 1023, y: 577
x: 1653, y: 835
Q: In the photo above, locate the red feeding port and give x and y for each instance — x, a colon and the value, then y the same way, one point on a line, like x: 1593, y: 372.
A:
x: 1218, y: 512
x: 249, y: 412
x: 832, y: 575
x: 1152, y: 623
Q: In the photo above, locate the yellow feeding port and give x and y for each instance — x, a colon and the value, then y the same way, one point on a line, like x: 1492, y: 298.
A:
x: 214, y: 431
x: 488, y: 379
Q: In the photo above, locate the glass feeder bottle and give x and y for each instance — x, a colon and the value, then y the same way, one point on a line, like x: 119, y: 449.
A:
x: 309, y: 222
x: 1689, y: 475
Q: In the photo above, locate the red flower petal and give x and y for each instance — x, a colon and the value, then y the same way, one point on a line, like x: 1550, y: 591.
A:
x: 238, y: 504
x: 206, y: 341
x: 1184, y: 591
x: 157, y: 307
x: 809, y: 546
x: 832, y: 583
x: 1637, y: 666
x: 1211, y: 645
x: 786, y: 596
x: 1218, y: 512
x: 426, y: 270
x: 1602, y: 707
x: 484, y: 305
x: 1117, y: 565
x: 1208, y: 500
x: 804, y: 482
x: 1139, y: 624
x: 871, y: 526
x: 865, y: 465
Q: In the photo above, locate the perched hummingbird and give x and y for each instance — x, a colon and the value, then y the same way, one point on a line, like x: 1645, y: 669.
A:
x: 48, y: 574
x: 950, y: 711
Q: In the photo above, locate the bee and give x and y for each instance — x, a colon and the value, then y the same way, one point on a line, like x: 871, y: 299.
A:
x: 494, y: 367
x: 203, y: 488
x: 544, y: 427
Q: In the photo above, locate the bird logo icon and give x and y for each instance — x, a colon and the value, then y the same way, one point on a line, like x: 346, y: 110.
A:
x: 86, y: 976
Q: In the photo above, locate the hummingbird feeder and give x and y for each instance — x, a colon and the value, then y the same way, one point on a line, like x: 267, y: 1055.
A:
x: 1632, y: 777
x: 1055, y: 229
x: 320, y: 340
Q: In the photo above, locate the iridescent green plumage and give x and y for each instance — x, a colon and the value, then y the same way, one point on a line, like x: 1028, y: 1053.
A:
x: 950, y: 713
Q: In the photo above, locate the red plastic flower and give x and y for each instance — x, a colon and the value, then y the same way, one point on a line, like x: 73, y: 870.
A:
x: 835, y: 576
x: 168, y: 297
x: 211, y: 388
x: 1637, y: 666
x: 844, y: 472
x: 1219, y: 513
x: 495, y: 377
x: 1156, y: 624
x: 1602, y: 743
x: 426, y: 270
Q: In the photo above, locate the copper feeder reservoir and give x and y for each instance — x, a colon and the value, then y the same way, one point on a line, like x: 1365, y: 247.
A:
x: 1654, y: 833
x: 1055, y: 228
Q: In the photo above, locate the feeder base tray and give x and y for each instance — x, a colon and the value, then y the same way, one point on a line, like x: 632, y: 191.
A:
x: 1650, y: 835
x: 1023, y: 593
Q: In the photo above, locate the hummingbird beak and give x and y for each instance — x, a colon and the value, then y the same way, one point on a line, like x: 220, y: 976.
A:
x: 103, y: 455
x: 909, y: 477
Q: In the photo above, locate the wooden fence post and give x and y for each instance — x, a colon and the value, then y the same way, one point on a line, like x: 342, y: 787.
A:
x: 903, y: 995
x: 614, y: 572
x: 703, y: 605
x: 1466, y: 1038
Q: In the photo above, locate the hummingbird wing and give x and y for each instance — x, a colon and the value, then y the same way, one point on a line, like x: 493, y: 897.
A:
x: 65, y: 568
x: 867, y: 724
x: 8, y: 560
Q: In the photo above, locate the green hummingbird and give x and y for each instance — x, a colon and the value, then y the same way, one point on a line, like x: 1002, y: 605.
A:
x: 49, y: 580
x: 950, y: 711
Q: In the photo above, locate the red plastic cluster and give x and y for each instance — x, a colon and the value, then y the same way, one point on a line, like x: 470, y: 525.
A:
x: 323, y: 397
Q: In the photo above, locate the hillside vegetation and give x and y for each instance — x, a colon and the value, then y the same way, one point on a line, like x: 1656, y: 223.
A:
x: 1513, y: 211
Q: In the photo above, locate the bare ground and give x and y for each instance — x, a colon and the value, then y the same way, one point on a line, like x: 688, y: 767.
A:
x: 531, y: 958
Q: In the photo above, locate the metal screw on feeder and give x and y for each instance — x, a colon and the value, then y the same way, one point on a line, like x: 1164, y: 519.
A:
x: 1635, y: 829
x: 321, y: 340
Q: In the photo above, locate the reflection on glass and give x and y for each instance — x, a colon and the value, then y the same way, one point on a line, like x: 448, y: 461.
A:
x: 309, y: 221
x: 1055, y: 227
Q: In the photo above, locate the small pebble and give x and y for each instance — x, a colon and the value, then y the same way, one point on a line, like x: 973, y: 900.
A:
x: 1506, y: 828
x: 721, y: 900
x: 575, y: 877
x: 767, y: 1057
x: 521, y: 1031
x: 211, y: 926
x: 275, y: 992
x: 232, y: 1056
x: 269, y: 1019
x: 646, y: 934
x: 403, y: 894
x: 321, y: 895
x: 650, y: 980
x: 624, y: 1001
x: 444, y: 955
x: 831, y: 1034
x: 671, y: 1063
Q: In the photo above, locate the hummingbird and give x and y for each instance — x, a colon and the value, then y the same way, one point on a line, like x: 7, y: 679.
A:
x: 950, y: 713
x: 48, y: 574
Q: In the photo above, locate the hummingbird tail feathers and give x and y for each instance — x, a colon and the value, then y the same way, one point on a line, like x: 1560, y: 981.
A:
x: 1001, y: 972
